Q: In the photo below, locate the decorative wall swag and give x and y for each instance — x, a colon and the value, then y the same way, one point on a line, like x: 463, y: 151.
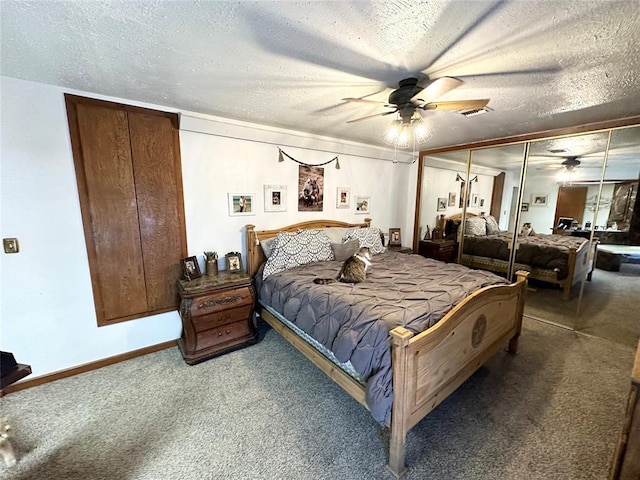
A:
x: 281, y: 159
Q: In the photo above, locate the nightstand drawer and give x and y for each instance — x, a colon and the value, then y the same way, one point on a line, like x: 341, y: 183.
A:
x: 221, y: 301
x: 224, y: 317
x: 223, y: 334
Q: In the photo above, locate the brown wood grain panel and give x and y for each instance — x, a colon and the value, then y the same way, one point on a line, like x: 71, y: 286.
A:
x: 496, y: 196
x: 111, y: 211
x: 160, y: 218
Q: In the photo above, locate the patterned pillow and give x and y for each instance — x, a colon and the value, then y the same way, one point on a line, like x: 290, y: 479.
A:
x: 342, y: 251
x: 368, y: 237
x: 475, y: 226
x: 492, y: 225
x: 295, y: 249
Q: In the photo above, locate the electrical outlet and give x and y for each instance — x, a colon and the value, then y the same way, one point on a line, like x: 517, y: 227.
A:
x: 11, y: 245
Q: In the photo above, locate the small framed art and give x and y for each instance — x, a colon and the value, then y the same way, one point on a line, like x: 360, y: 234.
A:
x: 452, y: 199
x: 275, y: 198
x: 395, y: 239
x: 363, y: 204
x: 234, y: 261
x: 190, y: 268
x: 442, y: 204
x: 539, y: 200
x: 241, y: 204
x: 342, y: 197
x: 524, y: 207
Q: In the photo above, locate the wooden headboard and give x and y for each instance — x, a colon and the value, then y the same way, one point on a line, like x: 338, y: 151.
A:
x: 255, y: 255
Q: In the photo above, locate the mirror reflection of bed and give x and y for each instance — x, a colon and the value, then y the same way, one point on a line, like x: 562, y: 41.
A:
x: 587, y: 203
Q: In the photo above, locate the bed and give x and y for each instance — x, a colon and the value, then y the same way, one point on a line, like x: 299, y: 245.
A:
x: 424, y: 366
x: 561, y: 260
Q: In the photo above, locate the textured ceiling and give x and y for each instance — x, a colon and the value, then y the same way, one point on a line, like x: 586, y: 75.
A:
x: 542, y: 64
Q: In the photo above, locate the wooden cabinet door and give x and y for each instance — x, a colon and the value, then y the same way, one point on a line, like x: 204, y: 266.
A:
x: 571, y: 203
x: 129, y: 178
x: 158, y: 185
x: 110, y: 213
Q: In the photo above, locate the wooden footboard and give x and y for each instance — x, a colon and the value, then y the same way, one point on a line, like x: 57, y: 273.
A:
x: 426, y: 367
x: 429, y: 366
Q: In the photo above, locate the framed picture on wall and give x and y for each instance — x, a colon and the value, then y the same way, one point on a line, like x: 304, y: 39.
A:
x: 452, y: 199
x: 442, y: 204
x: 524, y: 207
x: 363, y: 204
x: 474, y: 199
x: 241, y: 204
x: 275, y: 198
x: 342, y: 197
x: 539, y: 200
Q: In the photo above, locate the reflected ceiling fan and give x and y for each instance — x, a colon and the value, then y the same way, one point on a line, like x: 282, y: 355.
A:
x: 569, y: 164
x: 410, y: 98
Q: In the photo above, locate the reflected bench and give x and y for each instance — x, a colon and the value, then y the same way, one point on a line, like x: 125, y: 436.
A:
x: 610, y: 257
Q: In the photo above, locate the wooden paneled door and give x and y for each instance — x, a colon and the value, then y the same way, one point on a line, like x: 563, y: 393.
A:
x: 571, y: 203
x: 129, y: 179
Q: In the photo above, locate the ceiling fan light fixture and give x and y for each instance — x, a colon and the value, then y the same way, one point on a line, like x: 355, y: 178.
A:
x: 403, y: 136
x: 392, y: 133
x: 420, y: 131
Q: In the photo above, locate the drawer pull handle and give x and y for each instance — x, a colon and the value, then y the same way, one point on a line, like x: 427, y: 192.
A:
x: 221, y: 301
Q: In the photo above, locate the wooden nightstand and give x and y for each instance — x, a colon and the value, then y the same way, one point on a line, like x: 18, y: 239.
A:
x: 401, y: 249
x: 443, y: 250
x: 217, y: 315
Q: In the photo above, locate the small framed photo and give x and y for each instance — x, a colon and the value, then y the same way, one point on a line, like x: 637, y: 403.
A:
x: 363, y: 204
x: 482, y: 202
x: 342, y: 197
x: 524, y: 207
x: 452, y: 199
x: 190, y: 268
x: 539, y: 200
x: 241, y: 204
x: 234, y: 261
x: 275, y: 198
x: 474, y: 199
x: 395, y: 239
x: 442, y: 204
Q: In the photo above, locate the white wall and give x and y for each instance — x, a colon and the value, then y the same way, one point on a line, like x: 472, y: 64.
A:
x: 47, y: 312
x: 540, y: 217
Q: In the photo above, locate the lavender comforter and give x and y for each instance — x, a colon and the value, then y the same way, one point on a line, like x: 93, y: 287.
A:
x: 354, y: 320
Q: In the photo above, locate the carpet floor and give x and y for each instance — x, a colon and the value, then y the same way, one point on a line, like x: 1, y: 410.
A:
x: 554, y: 411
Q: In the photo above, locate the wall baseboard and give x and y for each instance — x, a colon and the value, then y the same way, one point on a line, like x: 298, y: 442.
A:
x: 87, y: 367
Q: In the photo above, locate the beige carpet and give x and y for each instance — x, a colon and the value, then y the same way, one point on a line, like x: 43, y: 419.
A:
x: 610, y: 305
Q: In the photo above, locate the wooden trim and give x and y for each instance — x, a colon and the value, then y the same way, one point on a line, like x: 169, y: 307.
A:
x: 87, y: 367
x: 559, y: 132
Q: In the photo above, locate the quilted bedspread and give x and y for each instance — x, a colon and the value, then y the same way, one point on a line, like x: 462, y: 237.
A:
x: 540, y: 250
x: 353, y: 320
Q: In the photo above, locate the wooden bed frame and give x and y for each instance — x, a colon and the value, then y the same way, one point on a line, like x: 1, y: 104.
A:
x: 580, y: 262
x: 426, y: 367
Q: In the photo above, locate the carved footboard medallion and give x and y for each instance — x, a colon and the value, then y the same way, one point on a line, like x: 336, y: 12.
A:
x: 479, y: 330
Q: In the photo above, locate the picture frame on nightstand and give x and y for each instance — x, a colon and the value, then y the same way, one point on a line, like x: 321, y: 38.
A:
x: 190, y: 268
x: 395, y: 237
x: 234, y: 262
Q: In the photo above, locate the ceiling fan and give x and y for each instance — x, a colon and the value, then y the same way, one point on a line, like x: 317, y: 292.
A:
x: 569, y: 164
x: 409, y: 97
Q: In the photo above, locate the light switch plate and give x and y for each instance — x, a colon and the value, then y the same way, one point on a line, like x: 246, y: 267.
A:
x: 11, y: 245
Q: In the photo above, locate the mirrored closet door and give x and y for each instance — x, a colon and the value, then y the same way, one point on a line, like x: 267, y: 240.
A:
x: 575, y: 190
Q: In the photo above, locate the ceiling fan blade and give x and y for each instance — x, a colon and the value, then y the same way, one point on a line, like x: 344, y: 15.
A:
x: 371, y: 116
x: 456, y: 105
x: 437, y: 88
x: 364, y: 100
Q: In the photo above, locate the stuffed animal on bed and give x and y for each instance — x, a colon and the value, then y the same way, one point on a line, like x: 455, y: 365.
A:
x: 6, y: 450
x: 527, y: 230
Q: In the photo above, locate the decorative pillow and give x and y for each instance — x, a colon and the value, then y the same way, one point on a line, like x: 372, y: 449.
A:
x: 342, y: 251
x: 295, y: 249
x: 267, y: 246
x: 492, y: 225
x: 475, y: 226
x: 367, y: 237
x: 335, y: 234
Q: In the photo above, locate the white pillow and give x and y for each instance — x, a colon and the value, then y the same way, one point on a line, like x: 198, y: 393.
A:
x: 335, y: 234
x: 492, y: 225
x: 267, y: 246
x: 368, y: 237
x: 297, y: 248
